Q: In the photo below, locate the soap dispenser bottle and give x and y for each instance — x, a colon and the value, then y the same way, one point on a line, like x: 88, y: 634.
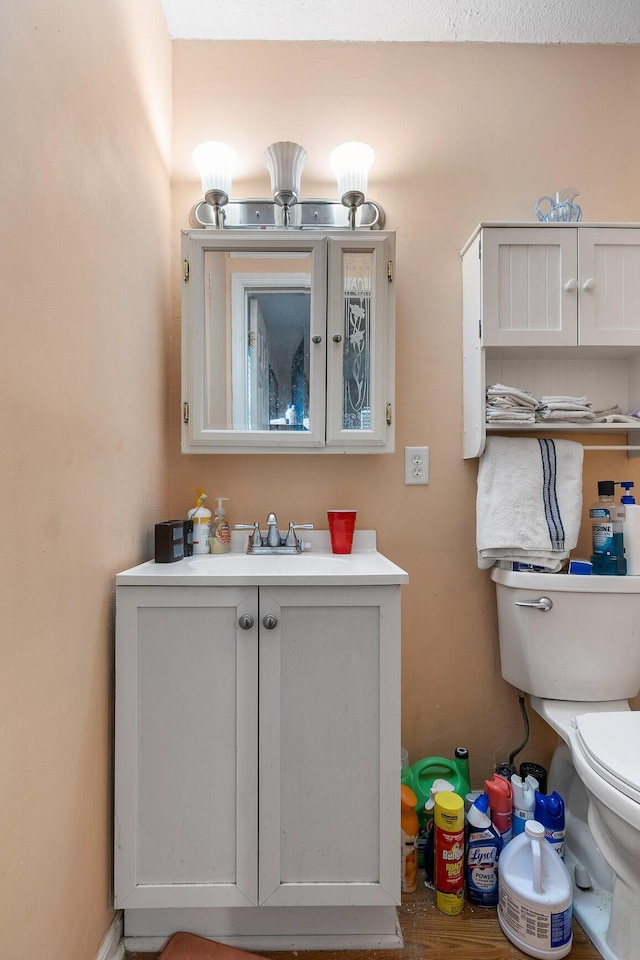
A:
x: 220, y: 536
x: 201, y: 517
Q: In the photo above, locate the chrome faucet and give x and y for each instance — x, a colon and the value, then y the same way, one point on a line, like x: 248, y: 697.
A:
x: 273, y: 533
x: 273, y: 543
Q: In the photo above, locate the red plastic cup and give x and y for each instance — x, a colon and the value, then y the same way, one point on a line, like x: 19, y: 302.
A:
x: 342, y: 523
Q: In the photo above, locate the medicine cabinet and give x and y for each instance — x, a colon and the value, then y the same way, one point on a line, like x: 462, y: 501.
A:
x: 287, y: 341
x: 555, y: 310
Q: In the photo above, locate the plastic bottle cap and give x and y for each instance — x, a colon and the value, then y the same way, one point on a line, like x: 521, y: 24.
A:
x: 606, y: 488
x: 481, y: 803
x: 534, y: 830
x: 438, y: 786
x: 220, y: 511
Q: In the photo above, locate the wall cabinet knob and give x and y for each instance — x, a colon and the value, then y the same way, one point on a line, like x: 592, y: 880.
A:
x: 589, y: 284
x: 270, y: 622
x: 246, y: 621
x: 316, y: 339
x: 571, y: 285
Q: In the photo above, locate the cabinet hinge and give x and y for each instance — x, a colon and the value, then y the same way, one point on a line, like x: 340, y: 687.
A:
x: 251, y: 338
x: 185, y: 412
x: 389, y: 417
x: 389, y: 271
x: 479, y: 249
x: 185, y: 268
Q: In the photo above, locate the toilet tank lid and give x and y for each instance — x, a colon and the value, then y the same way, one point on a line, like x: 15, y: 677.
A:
x: 609, y: 743
x: 564, y: 582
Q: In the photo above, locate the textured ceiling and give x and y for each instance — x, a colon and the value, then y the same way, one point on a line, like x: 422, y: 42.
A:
x: 502, y: 21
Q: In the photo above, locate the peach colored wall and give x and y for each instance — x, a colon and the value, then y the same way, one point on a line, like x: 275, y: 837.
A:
x: 462, y: 133
x: 84, y: 266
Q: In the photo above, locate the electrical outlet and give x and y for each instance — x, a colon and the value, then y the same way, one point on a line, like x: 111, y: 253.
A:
x: 416, y: 465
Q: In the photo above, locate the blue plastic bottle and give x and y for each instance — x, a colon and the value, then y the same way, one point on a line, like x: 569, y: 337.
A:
x: 549, y: 811
x: 607, y: 521
x: 484, y: 844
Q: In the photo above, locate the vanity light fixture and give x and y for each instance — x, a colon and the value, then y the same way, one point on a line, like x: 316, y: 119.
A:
x: 285, y: 161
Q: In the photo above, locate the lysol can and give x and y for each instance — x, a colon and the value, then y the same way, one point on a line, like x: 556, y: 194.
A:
x: 448, y: 825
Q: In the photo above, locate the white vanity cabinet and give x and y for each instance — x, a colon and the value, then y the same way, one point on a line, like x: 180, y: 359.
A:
x: 554, y: 309
x: 257, y: 755
x: 288, y: 341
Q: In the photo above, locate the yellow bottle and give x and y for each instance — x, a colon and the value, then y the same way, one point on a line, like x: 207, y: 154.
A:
x: 410, y: 827
x: 448, y: 823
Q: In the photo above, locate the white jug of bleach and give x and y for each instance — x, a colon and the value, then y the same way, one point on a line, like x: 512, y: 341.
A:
x: 535, y: 901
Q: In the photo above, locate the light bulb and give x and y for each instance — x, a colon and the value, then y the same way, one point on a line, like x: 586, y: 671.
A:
x: 216, y: 163
x: 351, y: 162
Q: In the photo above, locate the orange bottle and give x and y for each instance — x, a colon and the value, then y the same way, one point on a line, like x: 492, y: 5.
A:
x: 409, y: 831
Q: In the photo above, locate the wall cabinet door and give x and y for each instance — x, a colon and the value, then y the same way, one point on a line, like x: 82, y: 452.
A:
x: 257, y: 737
x: 560, y: 285
x: 287, y: 342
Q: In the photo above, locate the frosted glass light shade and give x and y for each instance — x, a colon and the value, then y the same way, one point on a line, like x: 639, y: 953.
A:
x: 285, y: 162
x: 216, y: 162
x: 350, y: 163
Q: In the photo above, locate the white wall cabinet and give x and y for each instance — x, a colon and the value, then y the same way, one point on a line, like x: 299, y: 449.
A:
x: 257, y: 746
x: 553, y: 309
x: 288, y: 341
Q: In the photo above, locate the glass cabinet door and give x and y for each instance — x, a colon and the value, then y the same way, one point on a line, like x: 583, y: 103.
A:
x: 360, y: 340
x: 287, y: 341
x: 253, y: 342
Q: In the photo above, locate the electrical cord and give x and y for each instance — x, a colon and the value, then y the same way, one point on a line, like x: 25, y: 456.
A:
x: 525, y: 720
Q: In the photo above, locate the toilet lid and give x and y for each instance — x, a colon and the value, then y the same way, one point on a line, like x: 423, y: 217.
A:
x: 609, y: 743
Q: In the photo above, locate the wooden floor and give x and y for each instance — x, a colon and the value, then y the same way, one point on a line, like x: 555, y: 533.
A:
x: 430, y: 935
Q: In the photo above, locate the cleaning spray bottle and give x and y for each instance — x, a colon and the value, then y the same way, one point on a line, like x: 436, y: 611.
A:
x: 631, y: 530
x: 201, y: 517
x: 549, y: 811
x: 483, y: 847
x: 501, y: 803
x: 220, y: 535
x: 524, y: 801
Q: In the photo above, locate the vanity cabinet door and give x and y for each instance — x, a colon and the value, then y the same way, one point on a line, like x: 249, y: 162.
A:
x: 329, y: 746
x: 186, y: 747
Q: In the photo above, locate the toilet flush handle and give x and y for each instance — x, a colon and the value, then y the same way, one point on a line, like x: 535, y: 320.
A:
x: 544, y: 604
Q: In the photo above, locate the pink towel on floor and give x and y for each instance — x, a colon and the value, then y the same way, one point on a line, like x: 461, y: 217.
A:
x: 188, y: 946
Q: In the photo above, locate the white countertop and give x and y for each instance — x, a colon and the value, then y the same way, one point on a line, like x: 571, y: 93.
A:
x: 315, y: 566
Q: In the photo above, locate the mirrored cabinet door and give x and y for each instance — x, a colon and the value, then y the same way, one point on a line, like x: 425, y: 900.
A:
x: 360, y: 343
x: 259, y: 333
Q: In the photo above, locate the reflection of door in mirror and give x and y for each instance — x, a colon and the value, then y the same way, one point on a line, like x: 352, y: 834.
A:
x: 269, y: 324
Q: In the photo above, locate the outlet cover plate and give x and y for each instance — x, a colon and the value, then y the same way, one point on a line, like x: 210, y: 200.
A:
x: 416, y: 465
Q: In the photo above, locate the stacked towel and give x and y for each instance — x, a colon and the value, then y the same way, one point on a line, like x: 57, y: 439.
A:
x: 529, y: 501
x: 615, y: 415
x: 565, y: 409
x: 510, y: 404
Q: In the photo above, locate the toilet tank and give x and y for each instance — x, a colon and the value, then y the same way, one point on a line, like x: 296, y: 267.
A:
x: 586, y: 646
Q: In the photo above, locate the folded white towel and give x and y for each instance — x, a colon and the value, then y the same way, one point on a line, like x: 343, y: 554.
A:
x: 565, y: 416
x: 618, y: 418
x: 565, y: 405
x: 509, y: 416
x: 521, y: 398
x: 529, y: 501
x: 577, y: 401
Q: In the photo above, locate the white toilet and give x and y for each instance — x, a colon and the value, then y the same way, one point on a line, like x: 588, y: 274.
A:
x: 573, y: 644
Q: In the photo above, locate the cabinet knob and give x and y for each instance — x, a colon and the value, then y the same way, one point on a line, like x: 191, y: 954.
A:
x: 589, y: 284
x: 337, y: 338
x: 316, y: 339
x: 571, y: 285
x: 246, y: 621
x: 270, y: 622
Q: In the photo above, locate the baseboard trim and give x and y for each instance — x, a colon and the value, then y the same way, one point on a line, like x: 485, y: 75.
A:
x: 112, y: 946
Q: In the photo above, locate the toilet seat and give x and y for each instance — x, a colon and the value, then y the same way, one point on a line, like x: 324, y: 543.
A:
x: 608, y: 743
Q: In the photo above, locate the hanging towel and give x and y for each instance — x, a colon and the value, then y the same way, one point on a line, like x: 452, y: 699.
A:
x: 529, y: 501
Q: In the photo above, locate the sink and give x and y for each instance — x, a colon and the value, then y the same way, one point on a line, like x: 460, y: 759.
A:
x: 266, y: 565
